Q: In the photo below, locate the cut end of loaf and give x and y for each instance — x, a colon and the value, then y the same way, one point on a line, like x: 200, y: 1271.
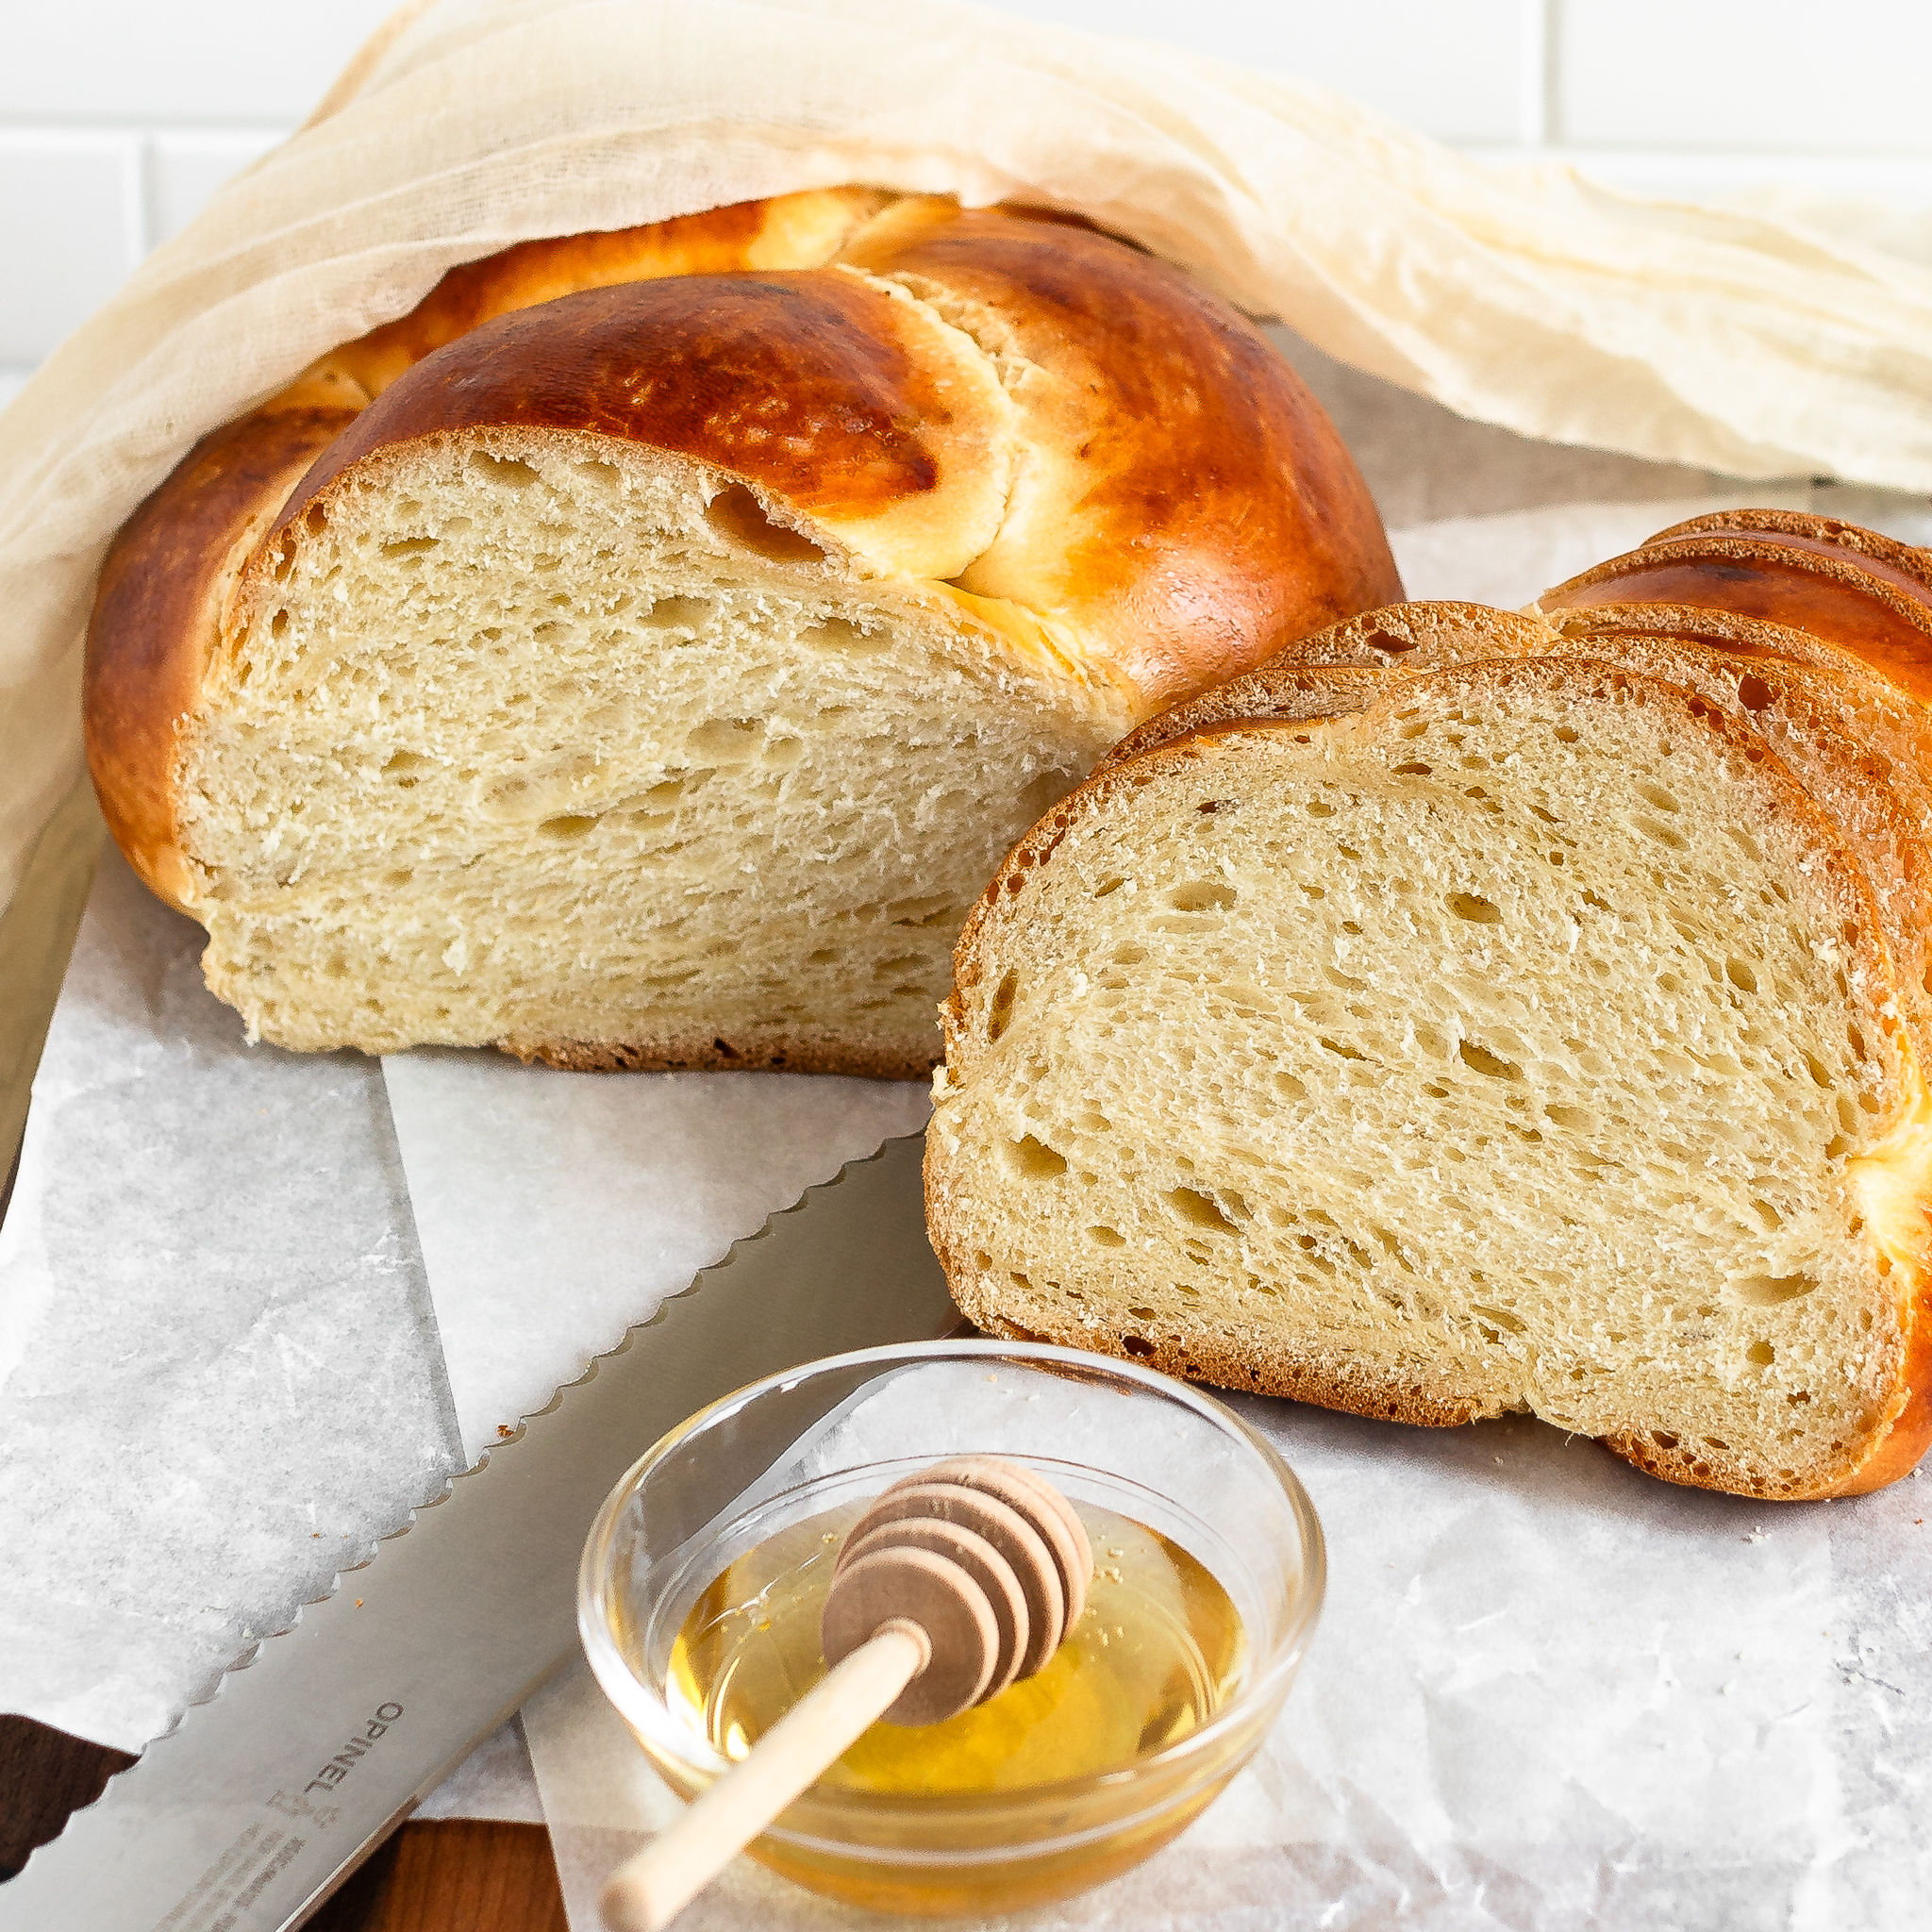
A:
x: 1522, y: 1040
x: 559, y: 742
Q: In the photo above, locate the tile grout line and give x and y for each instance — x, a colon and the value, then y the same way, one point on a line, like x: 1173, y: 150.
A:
x: 1549, y: 47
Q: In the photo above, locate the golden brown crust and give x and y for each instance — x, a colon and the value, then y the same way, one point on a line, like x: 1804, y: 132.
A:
x: 722, y: 1056
x: 158, y: 615
x: 1339, y: 669
x: 1185, y: 498
x: 1902, y: 564
x: 174, y: 568
x: 793, y: 231
x: 1281, y: 691
x: 804, y: 384
x: 1181, y: 506
x: 1351, y: 1387
x: 1815, y: 590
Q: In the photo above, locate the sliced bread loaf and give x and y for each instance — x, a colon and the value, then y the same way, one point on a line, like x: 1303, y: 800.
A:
x: 643, y: 655
x: 1518, y: 1035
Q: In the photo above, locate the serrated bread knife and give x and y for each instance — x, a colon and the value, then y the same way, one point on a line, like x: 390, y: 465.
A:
x: 248, y: 1815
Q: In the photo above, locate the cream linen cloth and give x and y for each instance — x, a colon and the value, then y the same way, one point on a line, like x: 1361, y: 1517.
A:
x: 1729, y: 341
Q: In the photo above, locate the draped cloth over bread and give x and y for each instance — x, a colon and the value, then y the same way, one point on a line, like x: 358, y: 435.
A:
x: 1726, y: 340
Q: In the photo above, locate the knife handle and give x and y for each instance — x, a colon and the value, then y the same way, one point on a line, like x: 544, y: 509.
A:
x: 648, y: 1891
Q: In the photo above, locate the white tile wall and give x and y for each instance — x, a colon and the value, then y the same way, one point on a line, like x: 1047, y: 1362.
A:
x: 118, y: 118
x: 70, y: 227
x: 1465, y: 70
x: 1790, y: 75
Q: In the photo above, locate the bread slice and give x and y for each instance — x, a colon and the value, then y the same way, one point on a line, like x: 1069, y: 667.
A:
x: 1523, y: 1039
x: 1856, y: 743
x: 1867, y: 594
x: 633, y: 665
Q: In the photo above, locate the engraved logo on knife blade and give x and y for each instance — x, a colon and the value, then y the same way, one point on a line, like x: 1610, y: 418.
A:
x: 233, y: 1883
x: 338, y: 1768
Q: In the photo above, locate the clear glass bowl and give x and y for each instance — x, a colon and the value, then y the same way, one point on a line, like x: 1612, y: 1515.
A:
x: 1112, y: 1436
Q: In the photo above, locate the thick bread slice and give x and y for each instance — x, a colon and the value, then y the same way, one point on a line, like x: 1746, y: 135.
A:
x: 1335, y: 669
x: 653, y: 675
x: 1881, y: 613
x: 1521, y: 1041
x: 1858, y: 743
x: 1886, y: 717
x: 1902, y: 564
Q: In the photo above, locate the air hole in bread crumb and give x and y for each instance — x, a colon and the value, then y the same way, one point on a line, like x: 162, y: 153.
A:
x: 1108, y: 885
x: 1771, y: 1291
x: 1475, y: 908
x: 1290, y: 1088
x: 1137, y: 1345
x: 1415, y: 769
x: 1199, y: 1209
x: 316, y: 522
x: 507, y: 471
x: 1001, y: 1012
x: 677, y: 613
x: 1483, y: 1061
x: 1107, y: 1236
x: 1201, y: 895
x: 727, y: 741
x: 1319, y: 809
x: 1740, y: 976
x: 1034, y: 1160
x: 571, y: 825
x: 1142, y: 1314
x: 1565, y: 734
x: 1379, y: 639
x: 1657, y: 795
x: 735, y: 512
x: 1761, y: 1354
x: 411, y: 546
x: 1752, y: 693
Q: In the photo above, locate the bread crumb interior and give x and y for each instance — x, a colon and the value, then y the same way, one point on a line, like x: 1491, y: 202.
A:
x: 534, y: 745
x: 1466, y: 1055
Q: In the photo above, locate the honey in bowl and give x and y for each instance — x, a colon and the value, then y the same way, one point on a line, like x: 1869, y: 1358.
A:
x: 704, y: 1576
x: 1156, y: 1652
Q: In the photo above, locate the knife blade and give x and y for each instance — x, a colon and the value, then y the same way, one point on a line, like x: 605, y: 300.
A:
x: 265, y: 1798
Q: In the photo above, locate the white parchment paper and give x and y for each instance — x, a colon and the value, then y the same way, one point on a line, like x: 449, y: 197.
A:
x: 555, y: 1209
x: 1547, y: 1693
x: 220, y: 1378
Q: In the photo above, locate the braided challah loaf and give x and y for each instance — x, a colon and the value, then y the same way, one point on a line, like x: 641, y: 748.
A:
x: 1467, y: 1013
x: 643, y: 654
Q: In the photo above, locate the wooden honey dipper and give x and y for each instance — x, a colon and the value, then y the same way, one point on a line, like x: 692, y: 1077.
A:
x: 954, y: 1584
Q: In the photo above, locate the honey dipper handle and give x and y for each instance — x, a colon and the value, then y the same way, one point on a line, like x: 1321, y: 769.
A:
x: 647, y: 1891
